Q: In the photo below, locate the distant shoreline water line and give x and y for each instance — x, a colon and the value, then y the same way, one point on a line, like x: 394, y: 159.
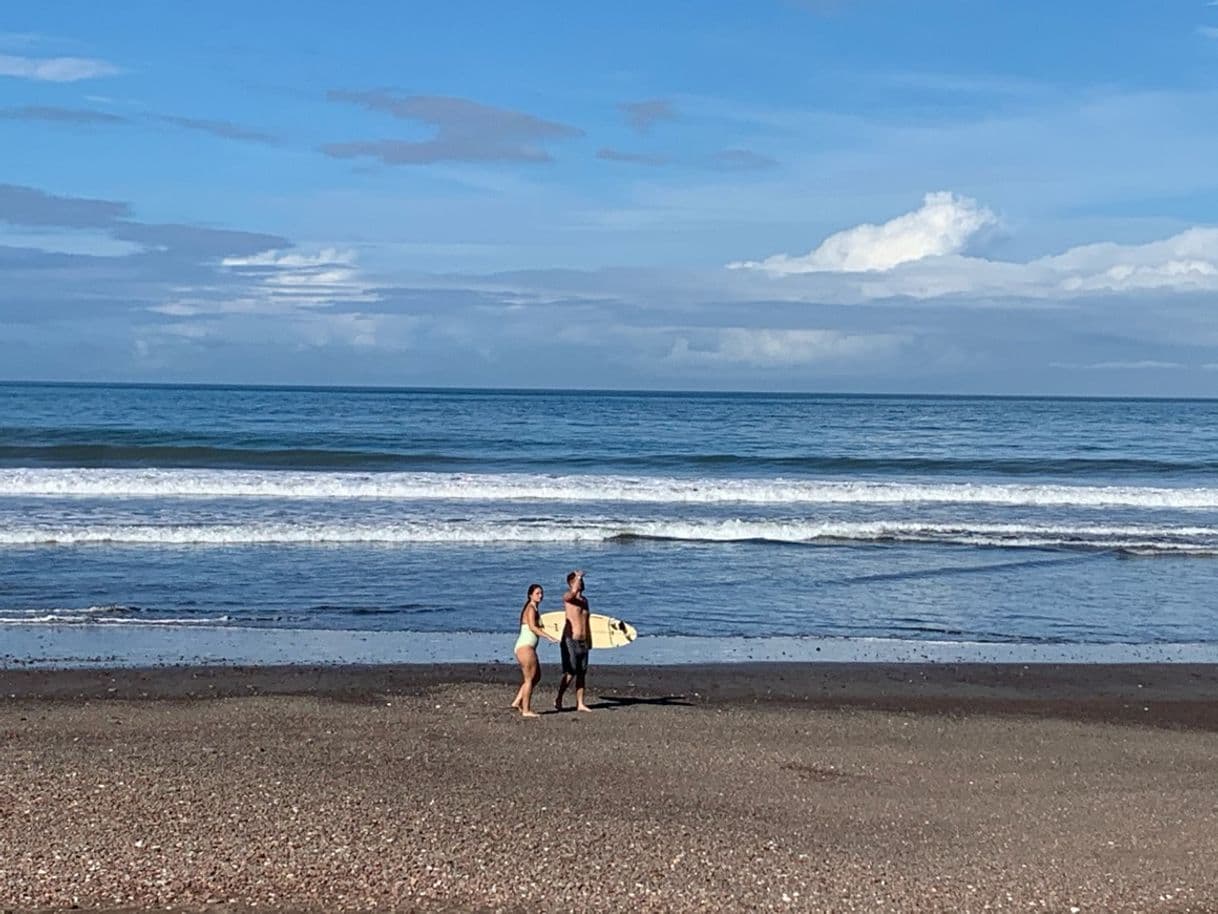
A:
x: 681, y: 393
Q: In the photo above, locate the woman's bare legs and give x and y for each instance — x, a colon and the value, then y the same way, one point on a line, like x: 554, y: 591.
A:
x: 530, y: 671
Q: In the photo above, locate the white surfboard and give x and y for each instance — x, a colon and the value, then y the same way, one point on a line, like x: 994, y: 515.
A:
x: 606, y: 630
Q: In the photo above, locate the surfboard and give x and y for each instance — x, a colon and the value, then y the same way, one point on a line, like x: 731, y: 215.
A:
x: 606, y: 630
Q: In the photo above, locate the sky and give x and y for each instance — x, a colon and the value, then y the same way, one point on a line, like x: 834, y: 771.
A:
x: 949, y: 196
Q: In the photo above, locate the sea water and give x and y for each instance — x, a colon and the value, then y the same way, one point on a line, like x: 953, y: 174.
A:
x: 919, y: 521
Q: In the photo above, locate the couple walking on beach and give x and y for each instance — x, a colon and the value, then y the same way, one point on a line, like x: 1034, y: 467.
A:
x: 575, y: 641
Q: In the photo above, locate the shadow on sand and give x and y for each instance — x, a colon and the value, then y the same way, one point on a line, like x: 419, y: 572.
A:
x: 613, y: 702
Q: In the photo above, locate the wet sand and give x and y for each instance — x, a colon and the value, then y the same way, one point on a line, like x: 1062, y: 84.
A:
x: 740, y: 787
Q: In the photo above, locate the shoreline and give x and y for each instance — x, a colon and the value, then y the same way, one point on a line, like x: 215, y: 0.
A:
x: 101, y: 645
x: 1158, y: 695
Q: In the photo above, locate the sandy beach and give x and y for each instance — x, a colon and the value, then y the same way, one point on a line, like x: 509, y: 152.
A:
x: 737, y: 787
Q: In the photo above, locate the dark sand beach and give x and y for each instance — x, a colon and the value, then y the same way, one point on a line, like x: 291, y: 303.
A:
x: 829, y: 787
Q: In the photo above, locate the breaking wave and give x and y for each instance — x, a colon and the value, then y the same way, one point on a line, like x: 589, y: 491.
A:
x: 252, y: 484
x: 1133, y: 539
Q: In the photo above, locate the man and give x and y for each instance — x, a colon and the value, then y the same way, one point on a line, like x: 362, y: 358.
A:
x: 576, y: 639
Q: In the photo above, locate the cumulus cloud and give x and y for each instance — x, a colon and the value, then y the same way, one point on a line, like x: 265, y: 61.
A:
x: 466, y: 131
x: 917, y: 255
x: 55, y: 69
x: 942, y: 225
x: 1187, y: 261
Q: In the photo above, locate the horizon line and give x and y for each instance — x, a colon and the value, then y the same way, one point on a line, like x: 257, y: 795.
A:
x: 382, y: 388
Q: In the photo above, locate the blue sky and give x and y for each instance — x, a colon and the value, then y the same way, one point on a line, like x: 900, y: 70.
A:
x: 836, y: 195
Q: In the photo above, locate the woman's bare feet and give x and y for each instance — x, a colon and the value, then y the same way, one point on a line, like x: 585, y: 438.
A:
x: 583, y: 708
x: 529, y: 714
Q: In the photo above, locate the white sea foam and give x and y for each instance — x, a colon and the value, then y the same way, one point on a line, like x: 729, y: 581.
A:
x: 1151, y: 539
x: 255, y: 484
x: 87, y: 617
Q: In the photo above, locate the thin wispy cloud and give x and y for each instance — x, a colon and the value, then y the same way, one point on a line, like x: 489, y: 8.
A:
x: 60, y: 115
x: 87, y: 116
x: 28, y: 206
x: 301, y: 279
x: 1139, y: 365
x: 644, y: 115
x: 1209, y: 31
x: 741, y: 160
x: 1123, y: 365
x: 223, y: 129
x: 31, y: 207
x: 635, y: 158
x: 56, y: 69
x: 466, y: 131
x: 196, y: 287
x: 819, y: 6
x: 20, y: 39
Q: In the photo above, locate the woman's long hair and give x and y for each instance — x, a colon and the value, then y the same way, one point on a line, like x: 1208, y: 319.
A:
x: 528, y: 594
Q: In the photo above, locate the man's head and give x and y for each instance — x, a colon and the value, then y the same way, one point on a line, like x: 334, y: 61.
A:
x: 575, y: 581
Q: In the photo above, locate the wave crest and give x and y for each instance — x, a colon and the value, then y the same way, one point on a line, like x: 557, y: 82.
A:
x: 293, y: 485
x: 1148, y: 539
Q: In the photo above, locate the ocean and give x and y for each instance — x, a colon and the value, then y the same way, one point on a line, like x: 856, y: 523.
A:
x: 842, y: 519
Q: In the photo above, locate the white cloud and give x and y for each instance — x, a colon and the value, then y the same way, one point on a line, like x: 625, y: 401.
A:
x: 920, y: 265
x: 300, y: 330
x: 765, y: 347
x: 1187, y: 261
x: 1208, y: 31
x: 325, y: 256
x: 943, y: 225
x: 1136, y: 365
x: 55, y: 69
x: 1140, y: 365
x: 302, y: 279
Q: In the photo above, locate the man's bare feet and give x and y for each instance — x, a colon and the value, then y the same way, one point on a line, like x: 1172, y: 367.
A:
x: 557, y: 704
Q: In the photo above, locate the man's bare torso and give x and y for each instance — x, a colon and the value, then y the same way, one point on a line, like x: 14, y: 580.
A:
x: 575, y: 606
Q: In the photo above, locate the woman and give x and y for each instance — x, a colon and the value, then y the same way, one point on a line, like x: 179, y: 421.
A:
x: 526, y: 649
